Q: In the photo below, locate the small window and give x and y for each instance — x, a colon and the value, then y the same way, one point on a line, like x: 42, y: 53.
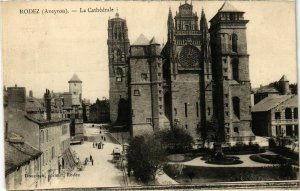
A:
x: 208, y: 111
x: 296, y: 113
x: 186, y: 126
x: 288, y: 113
x: 227, y: 113
x: 74, y: 93
x: 158, y: 64
x: 160, y: 98
x: 226, y: 104
x: 159, y: 74
x: 236, y: 129
x: 277, y: 115
x: 136, y: 93
x: 226, y: 95
x: 159, y: 91
x: 185, y: 109
x: 144, y: 76
x: 160, y: 106
x: 119, y: 79
x: 148, y: 120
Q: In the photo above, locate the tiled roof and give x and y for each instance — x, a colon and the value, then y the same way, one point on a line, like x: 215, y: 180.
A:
x: 141, y: 40
x: 74, y: 79
x: 265, y: 89
x: 293, y: 102
x: 227, y: 7
x: 270, y: 102
x: 43, y: 122
x: 33, y: 104
x: 17, y: 154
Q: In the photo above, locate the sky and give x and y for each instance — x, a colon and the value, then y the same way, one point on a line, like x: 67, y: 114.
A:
x: 44, y: 50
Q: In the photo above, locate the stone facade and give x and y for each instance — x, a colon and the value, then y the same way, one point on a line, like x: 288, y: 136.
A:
x: 199, y: 75
x: 118, y: 50
x: 230, y: 66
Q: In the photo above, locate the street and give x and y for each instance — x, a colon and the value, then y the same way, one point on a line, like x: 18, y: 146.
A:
x: 103, y: 173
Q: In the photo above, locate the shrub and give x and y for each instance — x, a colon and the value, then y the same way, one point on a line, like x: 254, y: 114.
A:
x: 258, y: 158
x: 272, y: 143
x: 287, y: 171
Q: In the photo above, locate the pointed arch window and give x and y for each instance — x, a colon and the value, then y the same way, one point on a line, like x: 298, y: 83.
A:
x: 236, y: 106
x: 234, y: 39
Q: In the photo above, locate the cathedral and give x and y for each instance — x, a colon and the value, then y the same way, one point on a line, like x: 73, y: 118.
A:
x: 199, y: 80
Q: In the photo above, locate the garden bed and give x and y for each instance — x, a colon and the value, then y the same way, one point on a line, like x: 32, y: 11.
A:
x: 271, y: 159
x: 195, y: 174
x: 226, y: 160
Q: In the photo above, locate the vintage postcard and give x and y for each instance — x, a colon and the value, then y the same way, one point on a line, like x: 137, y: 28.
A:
x: 150, y: 94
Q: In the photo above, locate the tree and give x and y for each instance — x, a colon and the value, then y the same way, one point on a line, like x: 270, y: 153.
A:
x: 208, y: 130
x: 99, y: 111
x: 176, y: 139
x: 146, y: 157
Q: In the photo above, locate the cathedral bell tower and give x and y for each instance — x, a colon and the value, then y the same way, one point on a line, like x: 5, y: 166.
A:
x: 230, y: 66
x: 118, y: 50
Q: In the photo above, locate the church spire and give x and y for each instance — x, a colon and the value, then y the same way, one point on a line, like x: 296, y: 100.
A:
x: 203, y: 22
x: 170, y: 20
x: 170, y: 17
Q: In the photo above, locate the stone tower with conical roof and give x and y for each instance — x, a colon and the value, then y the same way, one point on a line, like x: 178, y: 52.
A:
x: 118, y: 50
x: 230, y: 66
x: 284, y: 85
x: 75, y: 88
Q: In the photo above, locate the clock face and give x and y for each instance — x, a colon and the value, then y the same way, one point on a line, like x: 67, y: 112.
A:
x: 189, y: 57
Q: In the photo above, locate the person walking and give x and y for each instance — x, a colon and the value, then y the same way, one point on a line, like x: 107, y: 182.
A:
x: 104, y: 138
x: 91, y: 158
x: 92, y: 162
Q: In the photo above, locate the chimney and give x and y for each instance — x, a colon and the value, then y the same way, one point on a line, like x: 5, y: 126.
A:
x: 47, y: 98
x: 30, y: 93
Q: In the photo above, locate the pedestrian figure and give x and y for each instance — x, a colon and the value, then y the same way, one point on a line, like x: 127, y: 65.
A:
x: 102, y: 145
x: 93, y: 144
x: 92, y: 162
x: 104, y: 138
x: 96, y: 144
x: 91, y: 158
x: 100, y: 132
x: 99, y: 146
